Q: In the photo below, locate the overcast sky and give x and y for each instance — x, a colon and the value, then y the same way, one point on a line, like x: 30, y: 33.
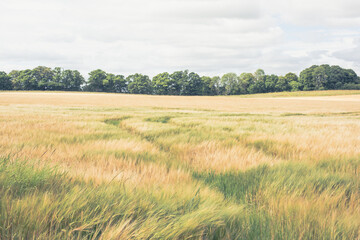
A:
x: 210, y: 37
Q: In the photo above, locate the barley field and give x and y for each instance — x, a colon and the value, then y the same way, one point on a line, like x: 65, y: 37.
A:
x: 114, y: 166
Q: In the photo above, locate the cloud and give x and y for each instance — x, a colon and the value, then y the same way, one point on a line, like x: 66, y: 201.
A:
x: 351, y: 54
x: 207, y: 36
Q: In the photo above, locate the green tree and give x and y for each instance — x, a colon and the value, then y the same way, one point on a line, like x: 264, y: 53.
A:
x: 179, y: 78
x: 44, y: 76
x: 295, y: 86
x: 320, y: 77
x: 282, y: 85
x: 210, y: 85
x: 139, y: 84
x: 77, y: 81
x: 258, y: 85
x: 259, y: 75
x: 293, y: 81
x: 307, y: 79
x: 270, y: 82
x: 120, y: 84
x: 23, y: 80
x: 15, y: 80
x: 188, y: 83
x: 56, y: 84
x: 72, y: 80
x: 5, y: 81
x: 96, y: 81
x: 162, y: 84
x: 192, y: 85
x: 230, y: 84
x: 327, y: 77
x: 108, y: 83
x: 291, y: 77
x: 245, y: 81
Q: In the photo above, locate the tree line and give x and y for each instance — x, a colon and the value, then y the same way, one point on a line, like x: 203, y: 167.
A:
x: 316, y: 77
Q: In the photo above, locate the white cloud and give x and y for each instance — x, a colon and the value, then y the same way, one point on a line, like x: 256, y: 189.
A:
x: 206, y: 36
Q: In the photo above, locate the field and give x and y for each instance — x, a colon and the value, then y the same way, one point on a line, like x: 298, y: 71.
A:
x: 113, y: 166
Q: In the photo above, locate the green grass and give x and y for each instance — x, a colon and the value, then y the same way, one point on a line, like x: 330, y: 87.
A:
x: 256, y: 187
x: 19, y: 178
x: 43, y: 204
x: 162, y: 119
x: 290, y: 178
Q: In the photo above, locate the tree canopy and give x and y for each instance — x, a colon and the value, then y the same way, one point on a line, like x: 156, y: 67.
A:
x: 316, y: 77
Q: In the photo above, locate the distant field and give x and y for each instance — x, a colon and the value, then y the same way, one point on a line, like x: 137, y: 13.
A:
x: 317, y: 101
x: 306, y: 93
x: 114, y: 166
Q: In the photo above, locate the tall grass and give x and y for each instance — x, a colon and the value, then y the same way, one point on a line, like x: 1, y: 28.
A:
x: 297, y: 190
x: 268, y: 172
x: 41, y: 204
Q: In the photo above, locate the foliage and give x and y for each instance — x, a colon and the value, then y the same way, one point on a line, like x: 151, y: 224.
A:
x: 5, y: 82
x: 44, y: 78
x: 230, y: 83
x: 164, y: 84
x: 327, y: 77
x: 323, y: 77
x: 210, y: 85
x: 139, y: 84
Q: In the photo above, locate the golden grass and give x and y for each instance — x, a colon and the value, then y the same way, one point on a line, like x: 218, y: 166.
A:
x: 313, y: 103
x: 153, y: 145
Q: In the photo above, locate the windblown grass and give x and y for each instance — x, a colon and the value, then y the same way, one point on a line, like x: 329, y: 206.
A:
x: 180, y: 172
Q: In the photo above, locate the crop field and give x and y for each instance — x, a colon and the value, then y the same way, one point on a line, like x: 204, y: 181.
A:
x: 117, y: 166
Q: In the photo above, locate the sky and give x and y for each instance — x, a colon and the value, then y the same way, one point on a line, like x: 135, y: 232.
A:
x: 210, y: 37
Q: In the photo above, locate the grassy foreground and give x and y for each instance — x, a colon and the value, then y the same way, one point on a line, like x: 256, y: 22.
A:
x: 177, y: 172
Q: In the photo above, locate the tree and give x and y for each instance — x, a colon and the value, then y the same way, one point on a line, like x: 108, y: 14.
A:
x: 139, y: 84
x: 210, y: 85
x: 291, y: 77
x: 245, y: 81
x: 178, y: 78
x: 192, y: 85
x: 230, y: 83
x: 258, y: 85
x: 56, y: 84
x: 327, y: 77
x: 44, y: 76
x: 180, y: 82
x: 187, y: 83
x: 162, y: 83
x: 5, y: 81
x: 23, y: 80
x: 108, y: 83
x: 282, y: 85
x: 120, y: 84
x: 77, y: 81
x: 216, y: 84
x: 15, y: 80
x: 293, y: 82
x: 72, y: 80
x: 96, y: 80
x: 295, y: 86
x: 270, y: 82
x: 320, y: 77
x: 259, y: 75
x: 67, y: 79
x: 307, y: 79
